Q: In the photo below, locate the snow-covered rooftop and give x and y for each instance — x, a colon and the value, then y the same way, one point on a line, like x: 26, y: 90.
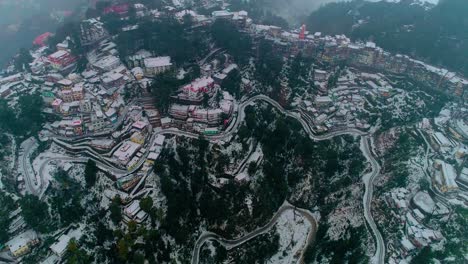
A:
x: 157, y: 62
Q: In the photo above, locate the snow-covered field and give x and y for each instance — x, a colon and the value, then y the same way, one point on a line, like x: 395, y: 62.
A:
x: 53, y: 152
x: 293, y: 230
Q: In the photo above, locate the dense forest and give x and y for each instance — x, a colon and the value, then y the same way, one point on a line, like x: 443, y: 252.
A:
x: 438, y: 35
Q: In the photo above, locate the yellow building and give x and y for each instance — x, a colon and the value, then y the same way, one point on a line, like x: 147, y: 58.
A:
x: 138, y: 138
x: 22, y: 243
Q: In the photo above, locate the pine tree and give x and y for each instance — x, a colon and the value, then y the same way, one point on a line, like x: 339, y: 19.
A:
x: 90, y: 173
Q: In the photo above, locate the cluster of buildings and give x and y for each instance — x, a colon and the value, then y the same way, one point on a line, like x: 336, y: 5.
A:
x: 366, y: 56
x: 191, y: 112
x: 92, y: 102
x: 341, y: 106
x: 413, y: 213
x: 131, y: 151
x: 336, y: 49
x: 421, y: 214
x: 200, y: 105
x: 447, y: 135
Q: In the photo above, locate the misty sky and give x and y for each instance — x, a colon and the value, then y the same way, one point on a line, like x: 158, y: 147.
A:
x: 22, y: 20
x: 15, y: 33
x: 295, y: 10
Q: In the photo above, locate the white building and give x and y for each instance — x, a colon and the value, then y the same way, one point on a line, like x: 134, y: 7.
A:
x: 442, y: 140
x: 138, y: 73
x: 424, y: 202
x: 155, y: 66
x: 222, y: 14
x: 125, y: 153
x: 446, y: 178
x: 60, y: 247
x: 107, y: 63
x: 323, y: 100
x: 134, y: 212
x: 320, y: 75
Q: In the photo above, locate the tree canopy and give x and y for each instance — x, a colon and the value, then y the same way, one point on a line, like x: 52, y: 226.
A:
x: 90, y: 173
x: 7, y: 206
x: 165, y: 38
x: 35, y: 213
x: 26, y: 118
x: 226, y: 35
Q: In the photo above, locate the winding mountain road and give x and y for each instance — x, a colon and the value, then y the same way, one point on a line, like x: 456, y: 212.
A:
x: 232, y: 130
x: 368, y: 179
x: 28, y: 146
x: 230, y: 244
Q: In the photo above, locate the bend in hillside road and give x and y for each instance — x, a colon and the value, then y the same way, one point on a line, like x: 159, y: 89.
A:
x: 222, y: 136
x: 230, y: 244
x: 43, y: 166
x: 41, y: 173
x: 202, y: 61
x: 29, y: 176
x: 368, y: 179
x: 292, y: 114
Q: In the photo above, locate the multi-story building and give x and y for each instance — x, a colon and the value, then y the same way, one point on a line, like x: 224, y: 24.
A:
x: 67, y: 96
x: 68, y: 128
x: 78, y: 92
x: 155, y: 66
x: 12, y: 78
x: 65, y: 84
x: 138, y: 137
x: 97, y: 122
x: 22, y: 243
x: 126, y: 152
x: 61, y: 60
x: 153, y: 117
x: 207, y: 116
x: 5, y: 91
x: 138, y: 60
x: 222, y: 14
x: 57, y: 105
x: 445, y: 178
x: 198, y: 87
x: 111, y: 80
x: 179, y: 111
x: 86, y: 106
x: 138, y: 73
x: 107, y: 63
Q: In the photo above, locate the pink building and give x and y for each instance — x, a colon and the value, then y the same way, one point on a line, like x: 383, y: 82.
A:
x: 199, y: 87
x: 61, y: 59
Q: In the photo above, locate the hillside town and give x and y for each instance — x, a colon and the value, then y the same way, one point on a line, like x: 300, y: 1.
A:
x: 112, y: 111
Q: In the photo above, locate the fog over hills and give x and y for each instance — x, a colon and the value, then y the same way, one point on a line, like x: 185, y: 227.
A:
x: 293, y: 10
x: 296, y: 10
x: 22, y: 20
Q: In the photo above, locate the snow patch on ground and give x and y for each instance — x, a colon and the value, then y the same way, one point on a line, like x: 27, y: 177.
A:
x: 50, y: 167
x: 293, y: 230
x: 348, y: 213
x: 181, y: 74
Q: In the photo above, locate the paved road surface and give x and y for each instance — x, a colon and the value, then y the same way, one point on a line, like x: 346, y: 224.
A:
x: 229, y: 244
x: 232, y: 130
x: 368, y: 179
x: 28, y: 147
